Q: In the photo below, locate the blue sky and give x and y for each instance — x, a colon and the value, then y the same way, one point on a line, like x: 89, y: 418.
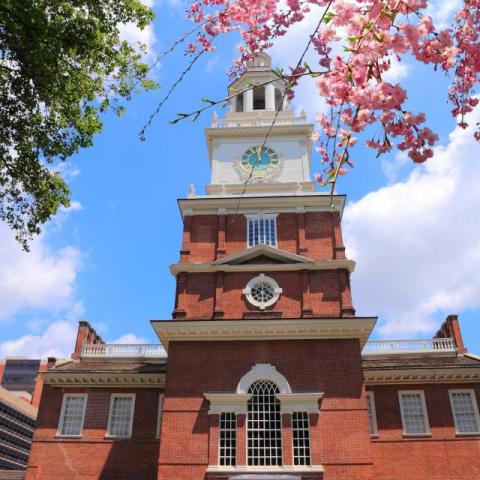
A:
x: 413, y: 230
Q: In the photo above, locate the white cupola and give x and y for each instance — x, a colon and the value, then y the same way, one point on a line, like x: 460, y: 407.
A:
x: 241, y: 152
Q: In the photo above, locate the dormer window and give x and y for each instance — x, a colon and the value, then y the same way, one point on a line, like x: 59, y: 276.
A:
x: 262, y: 229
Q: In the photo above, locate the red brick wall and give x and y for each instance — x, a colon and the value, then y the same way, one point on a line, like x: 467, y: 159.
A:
x: 305, y: 294
x: 340, y: 439
x: 441, y: 456
x: 314, y: 234
x: 93, y: 456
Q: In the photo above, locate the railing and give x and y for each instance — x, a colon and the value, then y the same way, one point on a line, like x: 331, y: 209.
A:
x: 117, y: 350
x: 434, y: 345
x: 257, y: 122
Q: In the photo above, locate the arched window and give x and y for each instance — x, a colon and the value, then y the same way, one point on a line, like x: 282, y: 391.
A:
x: 264, y: 425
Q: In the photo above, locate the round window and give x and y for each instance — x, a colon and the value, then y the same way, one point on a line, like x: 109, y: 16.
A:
x: 262, y: 291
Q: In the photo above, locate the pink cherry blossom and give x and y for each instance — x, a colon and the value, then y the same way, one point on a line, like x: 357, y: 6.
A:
x: 373, y: 34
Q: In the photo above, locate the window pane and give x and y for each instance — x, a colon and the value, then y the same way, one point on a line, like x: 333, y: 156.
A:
x: 301, y: 438
x: 262, y: 231
x: 464, y: 412
x: 413, y: 414
x: 121, y: 416
x: 73, y: 415
x: 264, y: 425
x: 228, y: 439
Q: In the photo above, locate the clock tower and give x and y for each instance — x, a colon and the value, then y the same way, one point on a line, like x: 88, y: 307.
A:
x: 264, y: 329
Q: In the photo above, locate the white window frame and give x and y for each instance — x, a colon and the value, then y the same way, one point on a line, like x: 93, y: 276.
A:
x: 110, y: 412
x: 309, y: 458
x: 266, y: 216
x: 159, y: 415
x: 62, y: 414
x: 371, y: 396
x: 235, y: 450
x: 425, y: 413
x: 471, y: 391
x: 247, y: 291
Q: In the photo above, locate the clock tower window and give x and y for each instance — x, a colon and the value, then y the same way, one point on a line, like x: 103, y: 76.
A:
x: 259, y: 98
x: 262, y: 229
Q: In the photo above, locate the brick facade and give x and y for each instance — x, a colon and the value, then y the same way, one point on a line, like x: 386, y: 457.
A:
x: 339, y: 434
x: 94, y: 456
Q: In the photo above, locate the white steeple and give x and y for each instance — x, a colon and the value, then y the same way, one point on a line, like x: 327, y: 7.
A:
x: 234, y: 143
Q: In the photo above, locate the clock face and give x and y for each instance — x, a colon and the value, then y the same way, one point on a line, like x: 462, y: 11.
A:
x: 260, y: 161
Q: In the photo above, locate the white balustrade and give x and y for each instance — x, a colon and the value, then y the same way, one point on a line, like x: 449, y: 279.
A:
x: 434, y: 345
x: 116, y: 350
x: 263, y: 122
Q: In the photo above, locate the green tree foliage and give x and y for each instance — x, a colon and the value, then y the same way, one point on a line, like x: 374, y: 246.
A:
x: 62, y: 64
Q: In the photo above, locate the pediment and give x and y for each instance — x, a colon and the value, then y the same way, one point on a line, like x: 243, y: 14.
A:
x: 262, y: 254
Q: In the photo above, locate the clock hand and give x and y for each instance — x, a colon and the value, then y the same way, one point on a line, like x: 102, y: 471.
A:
x: 259, y: 152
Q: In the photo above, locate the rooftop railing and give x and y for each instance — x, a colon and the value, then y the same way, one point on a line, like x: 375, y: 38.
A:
x: 117, y: 350
x: 256, y: 122
x: 433, y: 345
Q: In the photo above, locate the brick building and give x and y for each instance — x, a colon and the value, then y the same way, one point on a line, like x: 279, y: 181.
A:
x: 269, y: 374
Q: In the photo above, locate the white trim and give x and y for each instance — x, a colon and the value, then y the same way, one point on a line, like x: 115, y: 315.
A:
x: 262, y: 249
x: 262, y: 278
x: 273, y: 203
x: 227, y: 403
x: 373, y: 409
x: 264, y: 329
x: 300, y: 402
x: 424, y: 411
x: 263, y: 371
x: 473, y: 397
x: 257, y: 469
x: 402, y: 376
x: 159, y: 415
x: 110, y: 412
x: 212, y: 267
x: 62, y: 414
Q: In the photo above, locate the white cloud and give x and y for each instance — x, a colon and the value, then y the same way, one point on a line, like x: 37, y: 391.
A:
x: 417, y: 241
x: 442, y: 12
x: 135, y: 35
x: 286, y: 52
x: 58, y: 341
x: 42, y: 278
x: 130, y: 338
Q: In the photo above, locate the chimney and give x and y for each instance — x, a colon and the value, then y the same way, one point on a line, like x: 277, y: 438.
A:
x: 86, y: 335
x: 451, y: 329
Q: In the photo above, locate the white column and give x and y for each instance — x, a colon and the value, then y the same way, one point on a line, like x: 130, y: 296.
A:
x: 248, y: 101
x: 270, y: 97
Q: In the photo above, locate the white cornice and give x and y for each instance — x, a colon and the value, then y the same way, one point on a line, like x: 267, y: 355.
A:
x: 392, y: 376
x: 310, y: 202
x: 264, y: 329
x: 103, y: 379
x: 228, y: 402
x: 299, y: 402
x: 340, y: 264
x: 267, y: 250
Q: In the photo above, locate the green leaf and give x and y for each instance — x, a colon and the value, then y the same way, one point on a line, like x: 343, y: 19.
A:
x: 328, y: 17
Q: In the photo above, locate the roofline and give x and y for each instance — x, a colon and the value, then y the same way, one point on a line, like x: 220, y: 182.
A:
x: 311, y: 202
